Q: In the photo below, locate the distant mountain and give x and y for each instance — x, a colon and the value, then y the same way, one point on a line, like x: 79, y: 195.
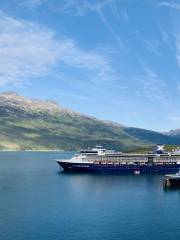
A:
x: 43, y: 125
x: 152, y: 136
x: 173, y: 133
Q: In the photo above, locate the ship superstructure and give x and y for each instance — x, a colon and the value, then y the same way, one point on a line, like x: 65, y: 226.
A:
x: 99, y: 159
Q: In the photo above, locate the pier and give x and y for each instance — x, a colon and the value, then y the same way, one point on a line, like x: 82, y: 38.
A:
x: 172, y: 180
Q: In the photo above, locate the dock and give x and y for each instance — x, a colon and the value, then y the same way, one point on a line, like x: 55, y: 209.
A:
x: 172, y: 180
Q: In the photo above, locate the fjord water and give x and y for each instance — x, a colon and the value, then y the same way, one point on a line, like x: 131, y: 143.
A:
x: 37, y: 201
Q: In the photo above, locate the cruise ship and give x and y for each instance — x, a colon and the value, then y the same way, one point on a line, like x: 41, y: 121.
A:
x: 99, y: 159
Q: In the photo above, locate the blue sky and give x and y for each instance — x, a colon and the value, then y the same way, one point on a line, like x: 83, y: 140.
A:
x: 116, y: 60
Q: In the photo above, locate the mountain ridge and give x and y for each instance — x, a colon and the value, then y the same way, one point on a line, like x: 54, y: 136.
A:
x: 32, y: 124
x: 174, y: 133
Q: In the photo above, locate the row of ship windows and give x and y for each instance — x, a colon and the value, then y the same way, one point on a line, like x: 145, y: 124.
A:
x: 135, y: 159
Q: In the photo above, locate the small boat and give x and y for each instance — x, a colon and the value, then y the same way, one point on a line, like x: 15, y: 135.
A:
x: 172, y: 180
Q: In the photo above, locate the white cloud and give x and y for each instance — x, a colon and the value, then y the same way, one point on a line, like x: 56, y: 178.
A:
x: 26, y: 50
x: 29, y: 50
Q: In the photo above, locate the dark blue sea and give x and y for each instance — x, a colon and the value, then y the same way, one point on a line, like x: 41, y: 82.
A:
x: 37, y: 201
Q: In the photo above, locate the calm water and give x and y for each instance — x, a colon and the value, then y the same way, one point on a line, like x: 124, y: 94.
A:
x: 39, y: 202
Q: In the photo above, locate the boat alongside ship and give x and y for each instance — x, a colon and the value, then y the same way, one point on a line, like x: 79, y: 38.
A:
x: 99, y: 159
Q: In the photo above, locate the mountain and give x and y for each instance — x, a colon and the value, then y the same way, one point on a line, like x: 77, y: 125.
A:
x: 43, y: 125
x: 173, y: 133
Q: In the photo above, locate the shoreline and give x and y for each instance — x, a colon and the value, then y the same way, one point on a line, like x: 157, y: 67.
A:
x: 40, y: 150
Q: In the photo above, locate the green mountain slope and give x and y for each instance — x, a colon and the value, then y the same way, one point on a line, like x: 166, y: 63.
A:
x: 152, y: 136
x: 42, y: 125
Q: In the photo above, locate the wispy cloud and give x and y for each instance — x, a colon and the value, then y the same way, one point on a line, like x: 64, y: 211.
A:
x: 170, y: 5
x: 177, y: 46
x: 29, y: 50
x: 74, y: 7
x: 31, y: 3
x: 153, y: 46
x: 166, y: 38
x: 111, y: 30
x: 171, y: 38
x: 80, y: 8
x: 152, y: 86
x: 97, y: 65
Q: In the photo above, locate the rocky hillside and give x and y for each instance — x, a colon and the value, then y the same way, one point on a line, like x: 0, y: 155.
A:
x: 42, y: 125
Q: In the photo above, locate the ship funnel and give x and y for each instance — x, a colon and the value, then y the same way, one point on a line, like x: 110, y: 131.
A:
x: 159, y: 149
